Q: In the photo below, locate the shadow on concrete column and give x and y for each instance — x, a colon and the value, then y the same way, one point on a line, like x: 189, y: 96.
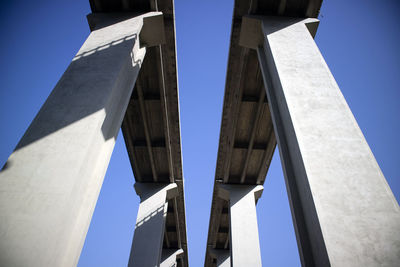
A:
x: 50, y: 183
x: 150, y: 223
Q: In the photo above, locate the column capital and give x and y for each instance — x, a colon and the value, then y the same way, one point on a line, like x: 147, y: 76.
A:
x: 152, y: 25
x: 253, y: 29
x: 143, y: 190
x: 225, y: 190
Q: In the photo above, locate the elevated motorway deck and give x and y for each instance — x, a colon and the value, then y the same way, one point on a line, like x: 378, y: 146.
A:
x: 151, y: 126
x: 247, y: 139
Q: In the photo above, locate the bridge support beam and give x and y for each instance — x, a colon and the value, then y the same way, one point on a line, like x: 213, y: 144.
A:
x: 343, y: 210
x: 244, y: 240
x: 50, y: 184
x: 150, y: 224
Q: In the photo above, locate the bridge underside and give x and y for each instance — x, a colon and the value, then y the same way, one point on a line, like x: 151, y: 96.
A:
x: 247, y: 139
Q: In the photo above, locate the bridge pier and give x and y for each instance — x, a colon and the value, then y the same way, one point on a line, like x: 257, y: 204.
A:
x: 51, y: 182
x: 343, y: 209
x: 244, y: 241
x: 147, y: 244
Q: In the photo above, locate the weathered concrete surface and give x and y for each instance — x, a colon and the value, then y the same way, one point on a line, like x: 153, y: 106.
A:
x: 148, y: 238
x: 343, y: 209
x: 244, y: 242
x: 50, y: 185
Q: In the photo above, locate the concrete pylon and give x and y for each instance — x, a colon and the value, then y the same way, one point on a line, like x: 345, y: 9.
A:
x: 150, y: 224
x: 343, y: 209
x: 50, y: 183
x: 244, y: 241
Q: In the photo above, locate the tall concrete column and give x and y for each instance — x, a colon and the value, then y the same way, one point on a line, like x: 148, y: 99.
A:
x: 244, y: 241
x: 343, y: 209
x: 169, y: 257
x: 223, y: 257
x: 150, y: 223
x: 50, y: 184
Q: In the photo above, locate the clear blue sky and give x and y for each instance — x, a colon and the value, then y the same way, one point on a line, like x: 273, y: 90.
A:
x: 359, y: 40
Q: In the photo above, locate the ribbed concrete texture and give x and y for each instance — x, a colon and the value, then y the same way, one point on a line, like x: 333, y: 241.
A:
x: 344, y: 211
x: 50, y: 184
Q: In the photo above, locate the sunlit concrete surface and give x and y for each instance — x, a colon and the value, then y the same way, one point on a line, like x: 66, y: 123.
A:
x: 51, y: 182
x: 279, y: 90
x: 125, y: 77
x: 346, y: 214
x: 150, y: 223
